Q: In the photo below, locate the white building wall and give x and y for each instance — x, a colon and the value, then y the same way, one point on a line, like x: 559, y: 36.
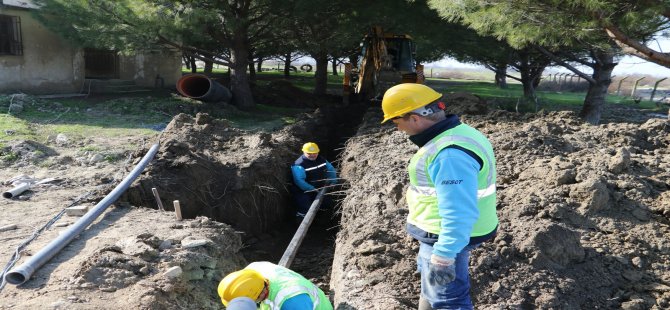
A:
x: 48, y: 63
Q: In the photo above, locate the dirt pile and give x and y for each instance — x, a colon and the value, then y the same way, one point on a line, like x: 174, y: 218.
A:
x: 138, y: 258
x: 583, y: 217
x: 224, y: 173
x: 134, y: 259
x: 465, y: 103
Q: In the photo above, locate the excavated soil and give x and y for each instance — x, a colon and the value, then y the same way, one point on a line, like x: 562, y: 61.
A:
x: 127, y: 257
x: 584, y: 214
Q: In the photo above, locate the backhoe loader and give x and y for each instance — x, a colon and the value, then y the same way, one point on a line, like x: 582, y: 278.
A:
x: 385, y: 60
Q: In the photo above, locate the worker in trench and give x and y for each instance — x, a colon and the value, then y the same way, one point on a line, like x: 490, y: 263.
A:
x: 271, y: 287
x: 452, y: 192
x: 311, y: 172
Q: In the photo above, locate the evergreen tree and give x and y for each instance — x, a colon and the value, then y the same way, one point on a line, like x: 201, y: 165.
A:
x: 222, y: 32
x: 556, y: 28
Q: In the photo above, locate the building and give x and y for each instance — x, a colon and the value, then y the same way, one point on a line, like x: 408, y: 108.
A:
x: 35, y: 60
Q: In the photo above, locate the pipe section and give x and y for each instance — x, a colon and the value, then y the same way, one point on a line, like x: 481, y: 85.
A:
x: 17, y: 190
x: 21, y: 274
x: 201, y: 87
x: 292, y: 249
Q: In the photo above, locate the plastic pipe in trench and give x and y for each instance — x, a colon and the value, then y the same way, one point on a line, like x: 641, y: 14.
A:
x: 201, y: 87
x: 21, y: 274
x: 292, y: 249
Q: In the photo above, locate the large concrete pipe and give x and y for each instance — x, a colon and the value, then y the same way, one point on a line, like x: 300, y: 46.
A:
x: 22, y: 273
x: 201, y: 87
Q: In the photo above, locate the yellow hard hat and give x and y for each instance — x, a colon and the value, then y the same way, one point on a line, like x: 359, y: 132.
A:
x: 310, y: 147
x: 242, y: 283
x: 404, y: 98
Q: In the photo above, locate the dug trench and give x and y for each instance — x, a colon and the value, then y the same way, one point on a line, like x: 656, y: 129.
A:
x: 243, y: 179
x: 584, y: 216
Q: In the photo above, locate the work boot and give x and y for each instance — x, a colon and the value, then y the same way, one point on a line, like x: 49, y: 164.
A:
x: 424, y: 304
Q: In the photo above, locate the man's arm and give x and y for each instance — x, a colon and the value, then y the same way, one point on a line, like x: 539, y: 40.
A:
x: 454, y: 174
x: 298, y: 302
x: 299, y: 176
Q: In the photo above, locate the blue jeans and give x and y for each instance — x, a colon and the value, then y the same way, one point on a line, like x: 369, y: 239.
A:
x: 456, y: 295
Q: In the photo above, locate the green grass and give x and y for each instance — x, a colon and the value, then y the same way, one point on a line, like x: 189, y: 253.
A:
x: 123, y: 116
x: 547, y: 99
x: 263, y: 117
x: 140, y: 116
x: 44, y: 119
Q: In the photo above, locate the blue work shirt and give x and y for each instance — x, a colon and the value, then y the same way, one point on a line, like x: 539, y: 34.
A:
x: 298, y: 302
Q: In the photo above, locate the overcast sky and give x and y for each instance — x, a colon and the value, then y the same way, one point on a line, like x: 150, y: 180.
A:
x: 627, y: 65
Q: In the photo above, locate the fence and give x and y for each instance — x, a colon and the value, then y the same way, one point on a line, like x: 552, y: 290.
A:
x: 633, y: 86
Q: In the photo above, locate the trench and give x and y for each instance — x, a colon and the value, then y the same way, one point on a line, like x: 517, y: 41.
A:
x: 315, y: 254
x: 243, y: 180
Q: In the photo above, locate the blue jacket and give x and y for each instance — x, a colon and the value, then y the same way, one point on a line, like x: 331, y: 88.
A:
x: 457, y: 203
x: 312, y: 174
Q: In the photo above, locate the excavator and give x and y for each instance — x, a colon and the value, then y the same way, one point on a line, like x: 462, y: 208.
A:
x: 386, y: 59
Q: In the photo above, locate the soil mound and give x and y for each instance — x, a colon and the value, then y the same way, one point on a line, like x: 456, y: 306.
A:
x: 465, y: 103
x: 224, y: 173
x: 583, y: 217
x: 134, y: 258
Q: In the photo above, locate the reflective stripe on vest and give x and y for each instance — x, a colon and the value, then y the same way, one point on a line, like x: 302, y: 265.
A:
x: 422, y: 196
x: 316, y: 167
x: 433, y: 147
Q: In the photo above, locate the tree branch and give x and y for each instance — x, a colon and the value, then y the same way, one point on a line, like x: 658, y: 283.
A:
x: 564, y: 64
x: 636, y: 48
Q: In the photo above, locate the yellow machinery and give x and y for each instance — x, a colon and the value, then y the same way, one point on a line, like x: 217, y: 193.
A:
x: 386, y: 60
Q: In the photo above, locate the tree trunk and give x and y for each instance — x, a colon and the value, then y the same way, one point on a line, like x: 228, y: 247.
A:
x: 537, y: 80
x: 287, y: 65
x: 501, y: 76
x: 194, y: 67
x: 259, y: 65
x: 187, y: 62
x: 597, y: 92
x: 527, y: 82
x: 321, y: 74
x: 209, y: 66
x: 252, y: 71
x: 531, y: 68
x: 335, y: 66
x: 239, y: 81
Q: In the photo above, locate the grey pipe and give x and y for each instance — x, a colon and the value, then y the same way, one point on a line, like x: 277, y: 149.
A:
x: 17, y: 190
x: 292, y: 249
x: 21, y: 274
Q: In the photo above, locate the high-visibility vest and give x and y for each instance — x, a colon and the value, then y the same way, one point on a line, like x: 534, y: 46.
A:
x: 421, y: 194
x: 286, y: 283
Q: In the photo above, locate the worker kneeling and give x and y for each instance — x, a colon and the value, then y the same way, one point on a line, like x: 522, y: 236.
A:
x: 273, y: 287
x: 311, y: 172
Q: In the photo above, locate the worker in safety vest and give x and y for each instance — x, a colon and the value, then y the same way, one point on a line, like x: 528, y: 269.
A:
x: 311, y: 172
x: 272, y: 287
x: 452, y: 192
